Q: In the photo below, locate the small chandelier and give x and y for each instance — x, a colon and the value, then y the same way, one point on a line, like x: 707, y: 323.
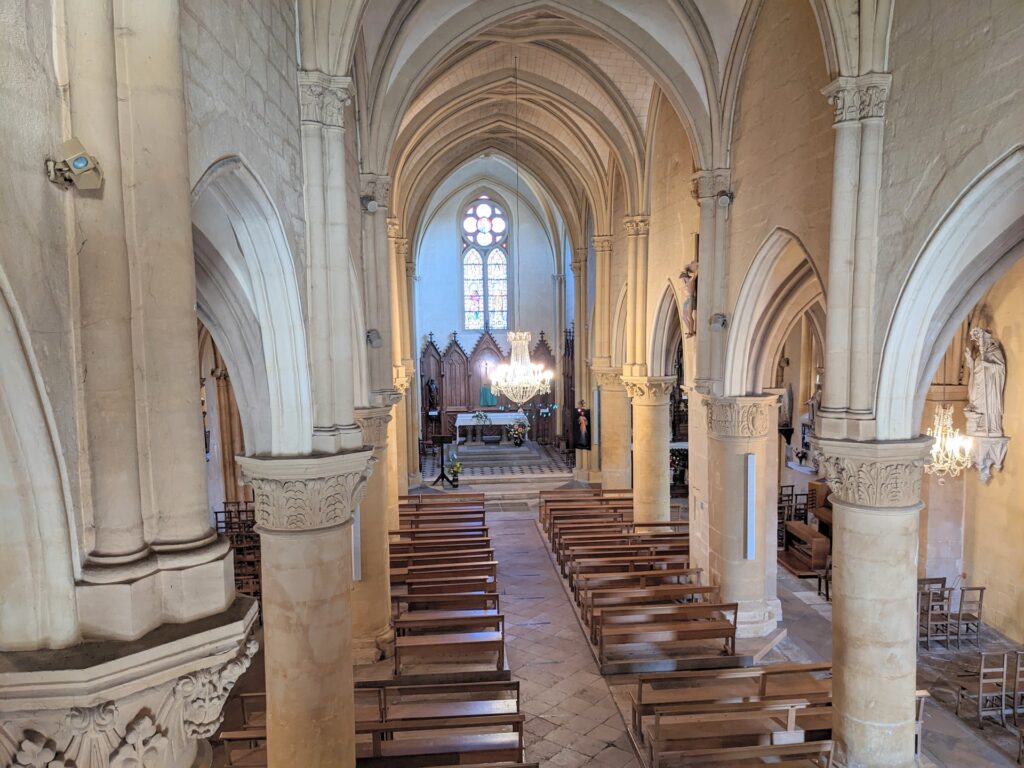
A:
x: 951, y: 451
x: 521, y: 379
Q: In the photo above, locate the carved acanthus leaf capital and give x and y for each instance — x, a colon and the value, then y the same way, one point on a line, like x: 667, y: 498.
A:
x: 637, y: 225
x: 709, y: 184
x: 879, y: 475
x: 740, y: 416
x: 204, y: 693
x: 309, y: 492
x: 858, y: 98
x: 602, y: 243
x: 649, y: 390
x: 377, y: 187
x: 374, y: 423
x: 394, y: 228
x: 401, y: 380
x: 323, y: 98
x: 402, y: 248
x: 608, y: 378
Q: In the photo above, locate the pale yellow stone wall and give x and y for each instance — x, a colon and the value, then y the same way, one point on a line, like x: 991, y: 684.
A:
x: 994, y: 519
x: 782, y: 140
x: 956, y: 106
x: 241, y: 97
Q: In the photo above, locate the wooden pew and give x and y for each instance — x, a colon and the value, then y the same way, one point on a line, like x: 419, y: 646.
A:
x: 415, y: 573
x: 455, y: 740
x: 422, y: 545
x: 626, y: 563
x: 623, y: 532
x: 810, y: 754
x: 451, y: 646
x: 669, y: 632
x: 723, y: 726
x: 723, y: 685
x: 600, y: 600
x: 458, y: 601
x: 391, y: 700
x: 455, y: 532
x: 442, y: 519
x: 586, y: 582
x: 422, y: 585
x: 428, y: 499
x: 455, y: 555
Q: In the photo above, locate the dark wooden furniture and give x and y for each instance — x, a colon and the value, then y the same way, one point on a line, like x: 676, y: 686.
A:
x: 988, y: 691
x: 967, y: 620
x: 805, y: 550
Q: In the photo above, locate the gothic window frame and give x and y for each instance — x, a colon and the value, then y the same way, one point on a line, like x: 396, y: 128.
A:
x: 467, y: 243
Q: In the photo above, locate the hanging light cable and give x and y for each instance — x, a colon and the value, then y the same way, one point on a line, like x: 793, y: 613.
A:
x: 951, y: 451
x: 520, y: 379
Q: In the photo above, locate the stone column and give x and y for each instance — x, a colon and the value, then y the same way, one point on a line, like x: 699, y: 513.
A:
x: 742, y: 556
x: 603, y: 307
x: 322, y: 102
x: 876, y: 495
x: 412, y: 395
x: 304, y: 515
x: 372, y: 632
x: 584, y: 459
x: 652, y: 433
x: 616, y: 434
x: 377, y: 288
x: 711, y: 289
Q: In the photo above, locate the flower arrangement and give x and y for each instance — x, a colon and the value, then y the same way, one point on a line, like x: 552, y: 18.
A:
x: 517, y: 432
x: 454, y: 466
x: 481, y: 418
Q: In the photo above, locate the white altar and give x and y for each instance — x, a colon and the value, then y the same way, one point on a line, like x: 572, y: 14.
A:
x: 500, y: 419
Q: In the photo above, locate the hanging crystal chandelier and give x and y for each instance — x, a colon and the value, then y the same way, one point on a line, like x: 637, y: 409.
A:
x: 521, y: 379
x: 951, y: 451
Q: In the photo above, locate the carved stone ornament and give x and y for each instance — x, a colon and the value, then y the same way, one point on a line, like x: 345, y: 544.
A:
x: 880, y: 475
x: 144, y: 746
x: 394, y: 228
x: 377, y: 187
x: 989, y: 453
x: 609, y: 378
x: 649, y: 390
x: 705, y: 184
x: 740, y: 416
x: 602, y: 243
x: 374, y: 423
x: 402, y: 249
x: 323, y: 98
x: 637, y: 225
x: 400, y: 380
x: 858, y: 98
x: 204, y: 693
x: 36, y: 751
x: 307, y: 493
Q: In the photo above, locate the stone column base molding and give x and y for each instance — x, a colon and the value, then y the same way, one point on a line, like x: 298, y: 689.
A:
x: 380, y: 646
x: 988, y: 454
x: 150, y: 704
x: 758, y: 618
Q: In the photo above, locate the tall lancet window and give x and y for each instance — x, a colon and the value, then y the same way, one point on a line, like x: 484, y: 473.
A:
x: 485, y: 266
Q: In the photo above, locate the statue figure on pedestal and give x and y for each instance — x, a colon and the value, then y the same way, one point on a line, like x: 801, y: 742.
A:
x: 689, y: 278
x: 986, y: 385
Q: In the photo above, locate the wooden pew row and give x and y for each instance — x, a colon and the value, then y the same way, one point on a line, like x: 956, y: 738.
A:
x: 416, y: 573
x: 577, y: 532
x: 571, y: 543
x: 398, y: 744
x: 668, y: 628
x: 631, y: 562
x: 439, y: 519
x: 442, y: 498
x: 601, y: 600
x: 426, y: 545
x: 587, y: 582
x: 459, y: 555
x: 552, y: 498
x: 457, y: 601
x: 810, y: 754
x: 439, y: 532
x: 581, y: 554
x: 699, y: 687
x: 451, y: 639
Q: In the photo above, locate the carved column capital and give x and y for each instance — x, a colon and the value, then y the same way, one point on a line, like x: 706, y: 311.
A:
x: 602, y: 243
x: 649, y: 390
x: 401, y: 380
x: 394, y: 228
x: 878, y: 474
x: 323, y: 98
x: 637, y: 225
x: 307, y: 493
x: 709, y: 184
x: 858, y: 98
x: 402, y: 248
x: 376, y: 187
x: 374, y: 423
x: 609, y: 378
x: 744, y: 417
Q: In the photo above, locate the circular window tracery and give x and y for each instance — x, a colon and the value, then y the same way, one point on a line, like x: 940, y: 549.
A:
x: 484, y: 224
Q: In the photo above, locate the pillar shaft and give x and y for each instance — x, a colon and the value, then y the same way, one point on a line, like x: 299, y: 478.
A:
x: 742, y: 436
x: 603, y: 303
x: 616, y: 452
x: 711, y: 289
x: 304, y: 517
x: 876, y: 490
x: 372, y: 630
x: 159, y: 236
x: 412, y: 396
x: 584, y: 459
x: 322, y: 102
x: 652, y: 433
x: 377, y: 286
x: 637, y: 228
x: 105, y: 302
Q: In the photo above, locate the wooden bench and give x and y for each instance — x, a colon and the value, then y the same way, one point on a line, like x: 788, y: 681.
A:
x: 590, y: 581
x: 398, y: 744
x: 427, y: 499
x: 440, y: 584
x: 470, y: 568
x: 700, y: 687
x: 245, y: 747
x: 424, y: 545
x: 810, y: 754
x: 437, y: 520
x: 669, y: 630
x: 455, y: 532
x: 416, y: 622
x: 600, y: 600
x: 724, y: 726
x: 435, y: 601
x: 623, y: 533
x: 626, y: 563
x: 805, y: 550
x: 448, y: 644
x: 407, y: 559
x: 396, y: 701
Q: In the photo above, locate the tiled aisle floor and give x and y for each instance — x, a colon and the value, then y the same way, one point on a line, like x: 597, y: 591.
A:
x: 570, y: 717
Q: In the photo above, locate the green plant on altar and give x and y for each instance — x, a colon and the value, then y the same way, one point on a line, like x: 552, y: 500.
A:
x: 481, y: 418
x: 677, y: 463
x: 517, y: 432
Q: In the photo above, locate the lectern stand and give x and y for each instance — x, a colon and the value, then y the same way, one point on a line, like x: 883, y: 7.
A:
x: 442, y: 441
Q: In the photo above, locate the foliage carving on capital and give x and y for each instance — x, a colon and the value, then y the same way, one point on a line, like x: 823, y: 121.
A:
x: 205, y: 692
x: 376, y: 187
x: 602, y: 243
x: 608, y: 378
x: 858, y: 98
x: 649, y: 390
x: 402, y: 248
x: 637, y: 225
x: 872, y: 481
x: 374, y: 423
x: 143, y: 746
x: 394, y: 228
x: 739, y: 417
x: 93, y: 734
x: 36, y: 751
x: 706, y: 184
x: 323, y: 98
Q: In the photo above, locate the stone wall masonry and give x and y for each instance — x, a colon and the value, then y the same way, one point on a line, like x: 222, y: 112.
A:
x: 242, y: 98
x: 956, y: 105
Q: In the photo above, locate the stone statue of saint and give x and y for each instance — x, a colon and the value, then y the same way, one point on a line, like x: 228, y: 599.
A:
x: 986, y: 385
x: 813, y: 405
x: 689, y: 278
x: 432, y: 399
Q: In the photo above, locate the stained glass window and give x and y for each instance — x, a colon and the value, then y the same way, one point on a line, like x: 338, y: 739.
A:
x: 485, y: 297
